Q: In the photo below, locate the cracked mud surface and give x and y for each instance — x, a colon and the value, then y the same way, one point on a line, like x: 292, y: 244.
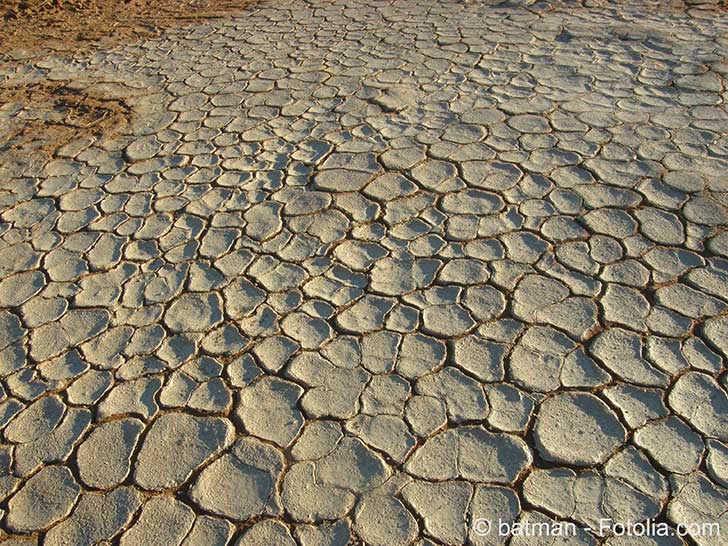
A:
x: 331, y: 273
x: 31, y: 27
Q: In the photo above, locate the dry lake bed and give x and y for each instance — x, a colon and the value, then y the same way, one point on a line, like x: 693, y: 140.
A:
x: 384, y: 273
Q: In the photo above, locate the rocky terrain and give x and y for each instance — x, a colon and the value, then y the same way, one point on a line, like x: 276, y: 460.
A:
x: 368, y: 273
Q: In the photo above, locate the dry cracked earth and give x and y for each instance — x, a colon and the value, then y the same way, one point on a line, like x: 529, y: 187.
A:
x: 367, y: 272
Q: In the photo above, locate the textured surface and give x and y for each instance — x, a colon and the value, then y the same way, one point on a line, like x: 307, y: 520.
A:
x: 366, y: 272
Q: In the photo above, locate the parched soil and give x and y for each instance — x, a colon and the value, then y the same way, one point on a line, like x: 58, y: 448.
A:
x: 32, y: 27
x: 36, y: 26
x: 50, y: 114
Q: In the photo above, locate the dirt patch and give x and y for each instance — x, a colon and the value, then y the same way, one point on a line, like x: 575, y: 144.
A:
x: 51, y: 114
x: 37, y: 26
